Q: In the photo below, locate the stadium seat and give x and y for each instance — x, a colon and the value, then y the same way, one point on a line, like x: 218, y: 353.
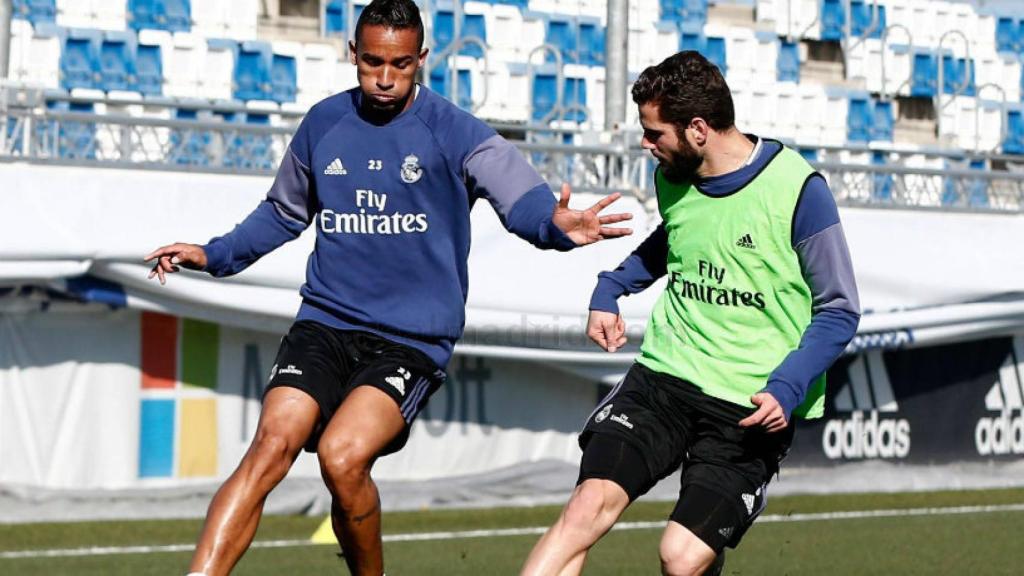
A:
x: 591, y: 43
x: 833, y: 20
x: 149, y: 70
x: 316, y: 74
x: 561, y: 33
x: 184, y: 58
x: 252, y: 71
x: 861, y: 14
x: 440, y: 82
x: 505, y: 39
x: 925, y: 79
x: 714, y: 50
x: 218, y: 69
x: 35, y: 55
x: 809, y: 154
x: 169, y: 15
x: 334, y: 17
x: 189, y: 147
x: 212, y: 19
x: 444, y: 29
x: 178, y: 14
x: 80, y: 66
x: 881, y: 189
x: 35, y: 11
x: 574, y: 98
x: 883, y: 121
x: 1006, y: 35
x: 75, y: 140
x: 859, y: 119
x: 473, y: 25
x: 1014, y: 142
x: 117, y: 61
x: 788, y: 62
x: 284, y: 71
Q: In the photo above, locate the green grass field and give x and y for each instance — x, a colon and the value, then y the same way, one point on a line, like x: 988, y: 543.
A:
x: 939, y: 542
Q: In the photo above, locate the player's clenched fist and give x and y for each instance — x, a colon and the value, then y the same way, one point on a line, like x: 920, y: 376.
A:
x: 169, y: 258
x: 607, y: 330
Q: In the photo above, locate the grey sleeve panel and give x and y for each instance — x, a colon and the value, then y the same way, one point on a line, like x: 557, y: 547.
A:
x: 290, y: 191
x: 827, y: 267
x: 495, y: 170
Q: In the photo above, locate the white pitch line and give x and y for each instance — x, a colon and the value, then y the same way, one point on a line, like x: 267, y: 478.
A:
x: 530, y: 531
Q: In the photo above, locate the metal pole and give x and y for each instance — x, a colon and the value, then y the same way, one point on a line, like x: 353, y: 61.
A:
x: 616, y: 46
x: 6, y: 11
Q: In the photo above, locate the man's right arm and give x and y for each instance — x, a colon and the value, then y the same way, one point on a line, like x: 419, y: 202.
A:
x: 287, y: 210
x: 641, y: 269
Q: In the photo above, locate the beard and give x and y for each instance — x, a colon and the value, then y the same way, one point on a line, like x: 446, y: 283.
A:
x: 682, y: 164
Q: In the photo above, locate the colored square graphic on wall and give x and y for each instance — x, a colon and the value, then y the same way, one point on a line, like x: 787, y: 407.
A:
x: 156, y: 438
x: 197, y: 439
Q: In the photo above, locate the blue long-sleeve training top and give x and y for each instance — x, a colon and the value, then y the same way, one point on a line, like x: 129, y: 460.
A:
x: 824, y: 259
x: 391, y: 208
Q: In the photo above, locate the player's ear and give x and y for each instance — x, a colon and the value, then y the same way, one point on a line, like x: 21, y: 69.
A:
x: 423, y: 57
x: 352, y: 52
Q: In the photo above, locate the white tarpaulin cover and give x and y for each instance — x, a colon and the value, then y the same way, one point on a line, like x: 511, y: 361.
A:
x: 89, y: 399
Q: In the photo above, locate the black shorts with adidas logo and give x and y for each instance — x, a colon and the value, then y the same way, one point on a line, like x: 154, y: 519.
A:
x: 652, y: 423
x: 328, y: 363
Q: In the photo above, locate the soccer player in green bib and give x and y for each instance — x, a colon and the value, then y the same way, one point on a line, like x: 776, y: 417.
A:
x: 760, y: 300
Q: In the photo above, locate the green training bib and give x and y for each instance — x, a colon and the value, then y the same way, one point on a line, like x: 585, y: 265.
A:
x: 736, y: 303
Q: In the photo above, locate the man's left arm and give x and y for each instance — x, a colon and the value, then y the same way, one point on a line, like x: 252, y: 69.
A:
x: 825, y: 261
x: 497, y: 171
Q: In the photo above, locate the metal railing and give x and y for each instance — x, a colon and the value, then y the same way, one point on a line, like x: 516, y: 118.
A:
x: 40, y: 135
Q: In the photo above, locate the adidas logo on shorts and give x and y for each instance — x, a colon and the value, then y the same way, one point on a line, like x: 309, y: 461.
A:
x: 398, y: 382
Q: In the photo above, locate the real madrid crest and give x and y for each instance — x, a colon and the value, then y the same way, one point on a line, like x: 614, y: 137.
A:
x: 603, y: 414
x: 411, y: 169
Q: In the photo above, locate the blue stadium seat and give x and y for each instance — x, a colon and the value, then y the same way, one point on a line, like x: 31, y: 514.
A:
x: 545, y: 94
x: 883, y: 121
x: 149, y: 70
x: 591, y: 43
x: 691, y: 40
x: 561, y: 33
x: 473, y: 25
x: 35, y: 11
x: 444, y: 29
x: 75, y: 140
x: 283, y: 78
x: 189, y: 147
x: 117, y: 61
x: 440, y: 83
x: 244, y: 149
x: 833, y: 20
x: 1007, y: 39
x: 79, y: 60
x: 679, y: 11
x: 1014, y: 143
x: 714, y: 50
x: 954, y: 71
x: 809, y: 154
x: 252, y: 71
x: 858, y: 120
x: 575, y: 95
x: 881, y: 183
x: 860, y: 19
x: 334, y: 17
x: 788, y: 62
x: 977, y: 190
x: 924, y: 79
x: 178, y: 15
x: 170, y: 15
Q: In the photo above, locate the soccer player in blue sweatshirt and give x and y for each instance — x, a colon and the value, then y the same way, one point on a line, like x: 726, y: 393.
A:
x: 388, y: 173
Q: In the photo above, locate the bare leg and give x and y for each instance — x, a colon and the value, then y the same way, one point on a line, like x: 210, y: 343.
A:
x: 683, y: 553
x: 287, y: 420
x: 594, y: 507
x: 362, y: 427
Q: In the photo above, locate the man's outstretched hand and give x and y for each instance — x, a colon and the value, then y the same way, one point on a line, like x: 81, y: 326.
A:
x: 170, y: 258
x: 587, y: 226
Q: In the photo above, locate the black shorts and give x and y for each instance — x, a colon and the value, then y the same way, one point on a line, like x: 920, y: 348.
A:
x: 328, y: 363
x: 659, y: 423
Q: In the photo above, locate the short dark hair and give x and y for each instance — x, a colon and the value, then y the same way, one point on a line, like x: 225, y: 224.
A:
x: 686, y: 86
x: 395, y: 14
